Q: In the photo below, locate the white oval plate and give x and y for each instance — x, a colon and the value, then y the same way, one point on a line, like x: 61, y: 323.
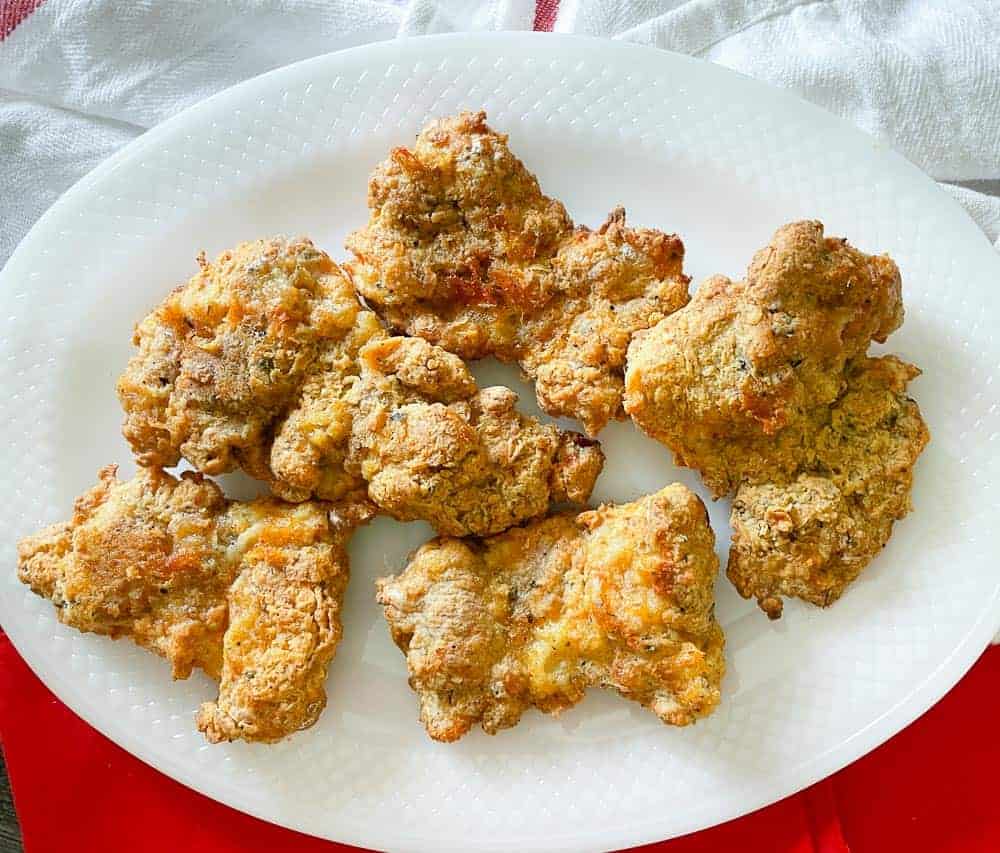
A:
x: 687, y: 147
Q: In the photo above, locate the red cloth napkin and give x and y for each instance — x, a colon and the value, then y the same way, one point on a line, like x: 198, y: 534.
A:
x: 932, y: 787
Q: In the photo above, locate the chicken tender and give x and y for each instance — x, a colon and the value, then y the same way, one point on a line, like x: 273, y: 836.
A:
x: 763, y: 386
x: 464, y: 250
x: 257, y: 363
x: 618, y: 597
x: 249, y: 592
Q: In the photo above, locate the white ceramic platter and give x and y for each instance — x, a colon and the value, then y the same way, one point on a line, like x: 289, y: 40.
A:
x: 687, y: 147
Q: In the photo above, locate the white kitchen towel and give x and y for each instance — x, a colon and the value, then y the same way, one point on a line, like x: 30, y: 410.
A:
x: 80, y: 78
x: 922, y: 75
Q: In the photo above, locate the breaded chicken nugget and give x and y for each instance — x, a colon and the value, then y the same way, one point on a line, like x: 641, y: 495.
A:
x: 249, y: 592
x: 810, y: 534
x: 464, y: 250
x: 618, y: 597
x: 763, y: 387
x: 223, y: 359
x: 431, y: 445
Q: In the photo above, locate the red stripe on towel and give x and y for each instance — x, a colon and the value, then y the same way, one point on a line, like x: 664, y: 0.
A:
x: 12, y: 12
x: 545, y: 15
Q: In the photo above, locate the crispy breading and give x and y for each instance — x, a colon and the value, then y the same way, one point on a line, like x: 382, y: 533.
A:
x: 256, y: 363
x: 308, y: 456
x: 464, y: 250
x: 761, y: 386
x: 223, y: 358
x: 433, y: 446
x: 618, y: 597
x: 248, y: 591
x: 811, y: 535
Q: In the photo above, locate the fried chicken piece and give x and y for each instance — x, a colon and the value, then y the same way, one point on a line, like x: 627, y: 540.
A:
x: 619, y: 597
x: 464, y: 250
x: 256, y: 363
x: 308, y: 455
x: 746, y: 360
x: 433, y: 446
x: 224, y: 357
x: 249, y: 592
x: 763, y: 387
x: 811, y: 535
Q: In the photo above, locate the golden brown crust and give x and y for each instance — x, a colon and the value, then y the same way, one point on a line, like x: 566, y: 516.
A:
x: 812, y: 534
x: 750, y: 383
x: 136, y: 560
x: 250, y: 592
x: 308, y: 456
x: 256, y: 363
x: 433, y: 446
x: 464, y: 250
x: 618, y: 597
x: 223, y: 357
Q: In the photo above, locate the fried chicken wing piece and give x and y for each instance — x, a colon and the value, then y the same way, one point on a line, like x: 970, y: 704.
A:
x: 250, y: 592
x: 431, y: 445
x: 751, y: 384
x: 464, y: 250
x: 618, y: 597
x: 256, y: 363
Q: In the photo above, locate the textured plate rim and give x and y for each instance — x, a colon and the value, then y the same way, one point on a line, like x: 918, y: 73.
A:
x: 922, y: 697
